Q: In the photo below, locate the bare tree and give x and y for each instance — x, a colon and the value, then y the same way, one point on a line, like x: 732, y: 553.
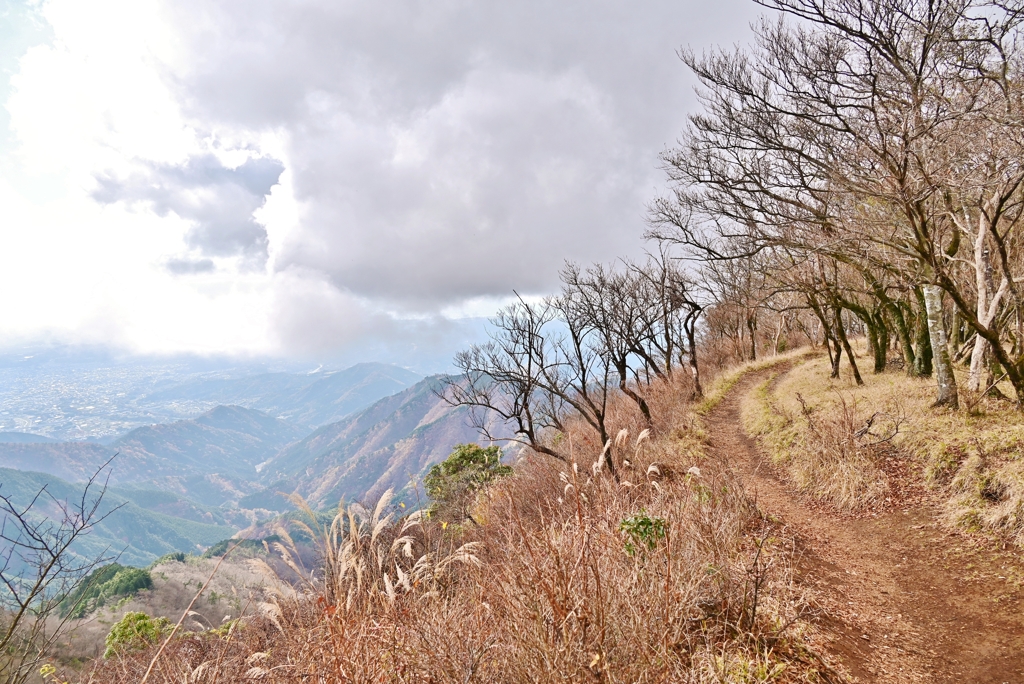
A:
x: 507, y: 378
x: 559, y: 359
x: 40, y: 567
x: 871, y: 133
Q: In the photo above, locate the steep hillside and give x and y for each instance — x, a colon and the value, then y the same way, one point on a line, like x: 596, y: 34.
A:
x: 311, y: 399
x: 383, y: 446
x: 139, y: 535
x: 211, y: 459
x: 73, y: 461
x: 24, y: 438
x: 229, y: 439
x: 178, y: 505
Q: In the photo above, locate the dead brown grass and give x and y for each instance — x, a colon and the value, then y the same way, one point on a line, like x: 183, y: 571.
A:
x: 973, y: 457
x: 545, y: 589
x: 830, y: 446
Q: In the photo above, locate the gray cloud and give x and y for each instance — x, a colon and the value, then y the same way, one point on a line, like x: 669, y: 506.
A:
x: 441, y: 150
x: 445, y: 150
x: 189, y: 266
x: 318, y: 322
x: 218, y: 200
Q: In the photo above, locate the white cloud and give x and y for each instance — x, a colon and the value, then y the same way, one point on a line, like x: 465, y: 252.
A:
x: 435, y: 156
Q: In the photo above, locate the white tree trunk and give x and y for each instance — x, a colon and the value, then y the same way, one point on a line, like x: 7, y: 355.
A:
x: 977, y: 363
x: 982, y: 276
x: 941, y: 361
x: 987, y: 309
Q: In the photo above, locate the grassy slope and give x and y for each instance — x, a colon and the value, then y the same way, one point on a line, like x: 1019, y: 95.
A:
x: 973, y: 457
x: 546, y: 589
x: 728, y: 379
x: 234, y: 590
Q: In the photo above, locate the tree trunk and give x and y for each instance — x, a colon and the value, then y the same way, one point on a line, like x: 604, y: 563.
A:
x: 987, y: 309
x: 1009, y: 364
x: 871, y: 335
x: 1011, y: 370
x: 690, y: 325
x: 624, y: 386
x: 778, y: 335
x: 882, y: 342
x: 836, y: 360
x: 835, y: 352
x: 752, y: 326
x: 841, y: 332
x: 903, y: 334
x: 937, y: 337
x: 977, y: 363
x: 898, y: 320
x: 955, y: 332
x: 923, y: 360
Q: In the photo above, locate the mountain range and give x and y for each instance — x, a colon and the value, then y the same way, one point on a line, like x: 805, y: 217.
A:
x: 310, y: 400
x: 101, y: 399
x: 129, y: 531
x: 228, y: 467
x: 212, y: 458
x: 387, y: 445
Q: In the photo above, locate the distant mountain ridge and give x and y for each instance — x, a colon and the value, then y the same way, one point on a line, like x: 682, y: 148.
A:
x: 187, y: 483
x: 97, y: 399
x: 24, y: 438
x: 211, y: 459
x: 227, y: 439
x: 388, y: 444
x: 310, y: 400
x: 232, y: 458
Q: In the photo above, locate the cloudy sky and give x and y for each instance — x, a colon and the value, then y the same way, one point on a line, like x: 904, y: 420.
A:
x: 324, y: 179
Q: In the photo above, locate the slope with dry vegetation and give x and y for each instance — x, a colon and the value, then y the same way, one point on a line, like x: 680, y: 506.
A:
x: 668, y: 574
x: 862, y: 446
x: 854, y: 175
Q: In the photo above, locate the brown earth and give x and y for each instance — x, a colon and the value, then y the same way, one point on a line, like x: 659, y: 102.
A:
x: 901, y: 598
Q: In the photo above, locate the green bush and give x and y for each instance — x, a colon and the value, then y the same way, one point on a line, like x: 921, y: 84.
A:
x: 112, y: 581
x: 453, y: 482
x: 642, y: 532
x: 134, y: 632
x: 175, y: 557
x: 246, y: 548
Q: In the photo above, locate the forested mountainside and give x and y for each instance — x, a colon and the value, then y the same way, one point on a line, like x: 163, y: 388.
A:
x: 133, y: 534
x: 228, y: 439
x: 188, y: 484
x: 386, y: 445
x: 211, y: 459
x: 232, y: 457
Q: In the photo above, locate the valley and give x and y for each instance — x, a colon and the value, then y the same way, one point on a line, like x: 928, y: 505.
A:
x: 186, y: 484
x: 73, y: 396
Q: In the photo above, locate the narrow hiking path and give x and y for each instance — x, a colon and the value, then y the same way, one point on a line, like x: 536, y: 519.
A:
x: 901, y: 600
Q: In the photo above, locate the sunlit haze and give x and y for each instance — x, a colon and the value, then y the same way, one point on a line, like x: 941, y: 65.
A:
x: 323, y: 180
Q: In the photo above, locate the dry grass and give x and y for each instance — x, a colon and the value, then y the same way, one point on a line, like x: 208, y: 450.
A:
x: 545, y: 589
x: 825, y: 447
x: 235, y: 590
x: 974, y: 456
x: 728, y: 379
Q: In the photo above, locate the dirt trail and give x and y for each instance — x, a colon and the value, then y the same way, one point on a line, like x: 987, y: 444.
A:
x: 902, y: 600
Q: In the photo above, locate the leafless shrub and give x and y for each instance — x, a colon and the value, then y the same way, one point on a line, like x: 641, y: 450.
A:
x: 840, y: 464
x: 40, y: 567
